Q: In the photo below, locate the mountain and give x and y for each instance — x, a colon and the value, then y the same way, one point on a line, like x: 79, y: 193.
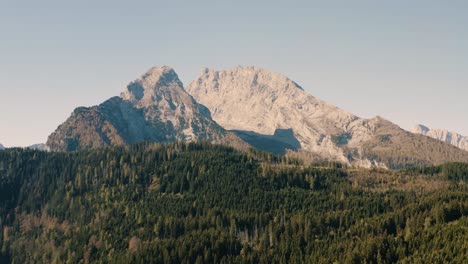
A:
x: 443, y: 135
x: 1, y: 147
x: 263, y: 107
x: 153, y: 108
x: 245, y: 104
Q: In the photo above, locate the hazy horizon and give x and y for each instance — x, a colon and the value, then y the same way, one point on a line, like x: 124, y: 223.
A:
x: 406, y: 62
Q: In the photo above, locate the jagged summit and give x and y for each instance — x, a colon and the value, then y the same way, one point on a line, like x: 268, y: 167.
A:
x: 256, y: 95
x: 421, y: 129
x: 153, y: 85
x: 256, y: 103
x: 256, y: 100
x: 252, y: 75
x: 443, y: 135
x: 159, y: 71
x: 154, y: 107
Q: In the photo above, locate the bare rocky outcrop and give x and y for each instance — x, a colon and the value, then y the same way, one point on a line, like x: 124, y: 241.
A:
x: 444, y: 135
x: 257, y: 104
x: 153, y: 108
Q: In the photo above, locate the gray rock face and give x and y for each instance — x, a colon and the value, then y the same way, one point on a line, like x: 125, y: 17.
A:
x: 257, y: 103
x: 2, y: 147
x: 253, y: 100
x: 453, y: 138
x: 153, y: 108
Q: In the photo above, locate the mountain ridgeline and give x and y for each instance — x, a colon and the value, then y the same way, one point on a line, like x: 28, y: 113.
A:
x: 271, y: 101
x: 247, y: 107
x: 443, y: 135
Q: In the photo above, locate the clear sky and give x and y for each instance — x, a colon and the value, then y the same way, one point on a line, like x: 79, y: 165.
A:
x: 404, y: 60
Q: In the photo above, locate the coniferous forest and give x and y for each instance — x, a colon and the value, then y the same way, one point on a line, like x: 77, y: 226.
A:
x: 203, y: 203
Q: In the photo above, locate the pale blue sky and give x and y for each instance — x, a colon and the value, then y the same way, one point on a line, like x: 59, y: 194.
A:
x: 404, y: 60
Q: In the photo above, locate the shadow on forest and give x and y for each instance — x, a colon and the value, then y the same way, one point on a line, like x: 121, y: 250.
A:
x: 278, y: 143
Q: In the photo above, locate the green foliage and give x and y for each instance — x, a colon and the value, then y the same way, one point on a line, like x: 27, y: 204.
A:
x: 454, y: 171
x: 202, y: 203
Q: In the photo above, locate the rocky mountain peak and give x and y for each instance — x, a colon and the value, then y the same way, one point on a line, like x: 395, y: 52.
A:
x: 1, y: 146
x: 258, y: 104
x: 254, y: 78
x: 443, y: 135
x: 160, y: 77
x: 154, y: 107
x: 421, y: 129
x: 156, y: 84
x: 251, y: 99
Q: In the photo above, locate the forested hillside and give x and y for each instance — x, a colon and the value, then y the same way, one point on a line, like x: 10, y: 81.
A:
x: 203, y: 203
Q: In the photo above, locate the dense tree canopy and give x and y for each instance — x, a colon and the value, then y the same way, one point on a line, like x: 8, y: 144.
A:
x: 202, y: 203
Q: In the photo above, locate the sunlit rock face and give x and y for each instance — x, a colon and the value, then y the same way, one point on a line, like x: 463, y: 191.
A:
x: 453, y: 138
x: 154, y: 108
x: 256, y: 104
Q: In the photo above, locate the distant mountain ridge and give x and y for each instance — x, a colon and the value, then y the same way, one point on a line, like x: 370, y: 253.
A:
x: 443, y: 135
x: 153, y: 108
x: 40, y: 146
